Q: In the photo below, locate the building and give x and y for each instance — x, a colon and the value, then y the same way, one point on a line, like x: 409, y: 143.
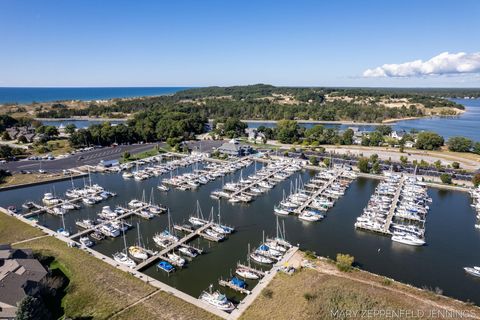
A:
x: 20, y: 275
x: 27, y: 131
x: 234, y: 149
x: 398, y: 135
x: 254, y: 135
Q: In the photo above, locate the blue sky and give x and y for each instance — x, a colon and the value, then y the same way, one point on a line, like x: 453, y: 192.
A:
x: 199, y: 43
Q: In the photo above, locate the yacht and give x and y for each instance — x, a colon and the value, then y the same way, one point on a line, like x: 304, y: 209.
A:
x: 136, y: 204
x: 217, y: 300
x: 123, y: 258
x: 127, y: 175
x: 162, y: 187
x: 217, y: 236
x: 49, y: 198
x: 109, y: 230
x: 281, y: 211
x: 408, y: 239
x: 85, y: 241
x: 196, y: 221
x: 138, y: 252
x: 68, y: 206
x: 474, y: 271
x: 309, y: 216
x: 63, y: 232
x: 89, y: 201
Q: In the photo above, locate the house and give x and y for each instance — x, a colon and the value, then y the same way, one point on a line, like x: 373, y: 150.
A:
x: 398, y: 135
x: 20, y: 275
x: 27, y: 131
x: 409, y: 144
x: 234, y: 149
x: 254, y: 135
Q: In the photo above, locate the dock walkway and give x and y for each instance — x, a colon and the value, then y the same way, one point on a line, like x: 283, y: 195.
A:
x: 391, y: 212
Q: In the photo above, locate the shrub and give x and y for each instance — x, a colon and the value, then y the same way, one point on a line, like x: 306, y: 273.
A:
x: 344, y: 262
x: 267, y: 293
x: 309, y: 296
x: 446, y: 178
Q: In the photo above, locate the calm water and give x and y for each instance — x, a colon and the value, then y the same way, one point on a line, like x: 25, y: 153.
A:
x: 466, y: 125
x: 28, y: 95
x: 453, y: 242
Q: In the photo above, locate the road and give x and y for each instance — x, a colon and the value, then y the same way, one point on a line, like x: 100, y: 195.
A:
x: 92, y: 157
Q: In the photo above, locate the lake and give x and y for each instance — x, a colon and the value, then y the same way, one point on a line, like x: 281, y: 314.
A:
x: 29, y: 95
x: 452, y: 240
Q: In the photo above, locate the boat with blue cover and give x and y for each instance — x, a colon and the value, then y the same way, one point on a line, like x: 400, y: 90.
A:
x: 165, y: 266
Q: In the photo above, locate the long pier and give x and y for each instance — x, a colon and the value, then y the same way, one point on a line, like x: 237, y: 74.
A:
x: 123, y: 216
x: 318, y: 192
x: 171, y: 247
x: 391, y: 212
x: 248, y: 186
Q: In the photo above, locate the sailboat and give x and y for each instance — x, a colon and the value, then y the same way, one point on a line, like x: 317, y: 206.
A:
x: 137, y: 251
x: 165, y: 237
x: 122, y: 257
x: 246, y: 273
x: 218, y: 227
x: 198, y: 219
x: 63, y: 231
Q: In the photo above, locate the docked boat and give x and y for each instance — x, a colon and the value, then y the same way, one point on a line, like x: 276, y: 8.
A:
x: 176, y: 259
x: 85, y: 241
x: 474, y: 271
x: 260, y: 259
x: 165, y: 266
x: 189, y: 252
x: 49, y: 199
x: 63, y: 232
x: 309, y: 216
x: 97, y: 236
x: 217, y: 300
x: 89, y: 201
x: 408, y: 239
x: 123, y: 258
x: 138, y: 252
x: 135, y: 204
x: 163, y: 188
x: 127, y: 175
x: 109, y: 230
x: 246, y: 274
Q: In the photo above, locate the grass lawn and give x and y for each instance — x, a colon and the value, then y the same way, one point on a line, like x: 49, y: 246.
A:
x: 310, y: 294
x: 13, y: 230
x: 141, y: 155
x: 19, y: 179
x: 96, y: 289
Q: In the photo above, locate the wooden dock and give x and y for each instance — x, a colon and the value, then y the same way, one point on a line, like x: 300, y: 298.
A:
x: 230, y: 285
x: 391, y: 212
x: 171, y: 247
x: 318, y: 192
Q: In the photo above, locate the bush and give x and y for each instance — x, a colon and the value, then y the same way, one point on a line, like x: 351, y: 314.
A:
x: 344, y: 262
x: 363, y: 165
x: 313, y: 160
x: 446, y: 178
x: 459, y: 144
x: 267, y: 293
x: 476, y: 180
x: 309, y: 296
x: 429, y: 141
x: 386, y: 281
x: 310, y: 255
x: 455, y: 165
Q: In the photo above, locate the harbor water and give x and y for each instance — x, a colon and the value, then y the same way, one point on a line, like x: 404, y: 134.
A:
x: 452, y: 240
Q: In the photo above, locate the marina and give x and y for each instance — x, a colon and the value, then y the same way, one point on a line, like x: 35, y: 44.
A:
x: 220, y: 260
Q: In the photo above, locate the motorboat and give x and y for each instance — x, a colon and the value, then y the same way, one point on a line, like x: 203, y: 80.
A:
x: 127, y: 175
x: 85, y: 241
x: 408, y: 239
x: 474, y: 271
x: 165, y: 266
x: 162, y: 187
x: 217, y: 300
x: 189, y: 252
x: 136, y: 204
x: 123, y: 258
x: 63, y: 232
x: 49, y: 199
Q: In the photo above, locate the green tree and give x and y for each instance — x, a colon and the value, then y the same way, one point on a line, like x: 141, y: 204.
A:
x: 455, y: 165
x: 375, y: 139
x: 476, y: 147
x: 313, y: 160
x: 363, y: 165
x: 429, y: 141
x: 326, y: 162
x: 6, y: 136
x: 70, y: 128
x: 347, y: 137
x: 438, y: 164
x: 446, y: 178
x: 376, y: 167
x: 403, y: 160
x: 287, y: 131
x: 459, y: 144
x: 476, y: 180
x: 384, y: 130
x: 32, y: 308
x: 22, y: 139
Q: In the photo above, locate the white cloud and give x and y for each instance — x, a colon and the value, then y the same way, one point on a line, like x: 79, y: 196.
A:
x: 444, y: 63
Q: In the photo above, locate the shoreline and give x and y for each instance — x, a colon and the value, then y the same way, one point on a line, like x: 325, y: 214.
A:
x: 82, y: 118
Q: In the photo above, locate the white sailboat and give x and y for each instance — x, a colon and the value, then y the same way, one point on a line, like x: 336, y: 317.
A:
x: 122, y: 256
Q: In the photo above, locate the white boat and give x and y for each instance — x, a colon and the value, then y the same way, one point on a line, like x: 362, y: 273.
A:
x: 217, y: 300
x: 246, y: 274
x: 215, y: 235
x: 475, y: 271
x: 49, y: 198
x: 162, y: 187
x: 136, y: 204
x: 188, y: 252
x: 109, y: 230
x: 260, y: 259
x: 89, y: 201
x: 408, y: 239
x: 309, y: 216
x: 281, y: 211
x: 63, y: 232
x: 68, y: 206
x: 85, y: 241
x: 58, y: 211
x: 196, y: 221
x: 123, y: 258
x: 127, y: 175
x: 176, y: 259
x: 138, y: 252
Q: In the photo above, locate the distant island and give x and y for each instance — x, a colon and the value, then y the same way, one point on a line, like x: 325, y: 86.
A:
x: 266, y: 102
